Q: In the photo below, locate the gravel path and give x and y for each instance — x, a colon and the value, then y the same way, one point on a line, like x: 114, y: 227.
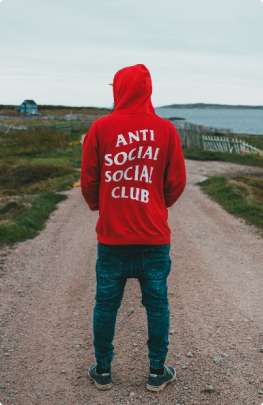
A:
x: 215, y: 289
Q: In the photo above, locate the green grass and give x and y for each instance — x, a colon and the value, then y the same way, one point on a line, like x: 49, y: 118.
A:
x: 34, y: 162
x: 36, y: 165
x: 21, y: 220
x: 253, y: 140
x: 242, y: 197
x: 31, y: 142
x: 249, y: 159
x: 35, y: 178
x: 254, y: 185
x: 59, y: 110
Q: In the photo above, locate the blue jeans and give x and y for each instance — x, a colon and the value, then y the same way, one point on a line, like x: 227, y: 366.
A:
x: 151, y: 265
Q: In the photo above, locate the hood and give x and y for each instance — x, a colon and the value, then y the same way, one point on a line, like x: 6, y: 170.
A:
x: 132, y: 89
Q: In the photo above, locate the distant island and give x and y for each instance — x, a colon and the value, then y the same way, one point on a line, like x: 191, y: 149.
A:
x: 214, y: 106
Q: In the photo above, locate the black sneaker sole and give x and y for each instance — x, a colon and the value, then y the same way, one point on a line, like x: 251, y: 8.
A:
x: 160, y: 387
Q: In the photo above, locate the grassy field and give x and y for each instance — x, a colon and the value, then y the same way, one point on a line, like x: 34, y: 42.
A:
x: 241, y: 196
x: 35, y: 166
x: 56, y: 112
x: 248, y: 159
x: 62, y: 110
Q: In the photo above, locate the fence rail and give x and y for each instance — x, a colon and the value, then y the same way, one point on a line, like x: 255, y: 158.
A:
x: 190, y: 134
x: 224, y: 144
x: 7, y: 128
x: 62, y: 128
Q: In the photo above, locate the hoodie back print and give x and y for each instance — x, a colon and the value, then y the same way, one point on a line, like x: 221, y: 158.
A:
x: 132, y: 166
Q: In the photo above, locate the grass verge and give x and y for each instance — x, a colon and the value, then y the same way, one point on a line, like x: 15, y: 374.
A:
x: 238, y: 197
x: 249, y: 159
x: 23, y: 220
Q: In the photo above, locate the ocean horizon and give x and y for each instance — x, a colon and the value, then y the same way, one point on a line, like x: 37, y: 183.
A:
x: 240, y: 121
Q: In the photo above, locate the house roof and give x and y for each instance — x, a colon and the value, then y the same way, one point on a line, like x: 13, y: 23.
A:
x: 30, y: 102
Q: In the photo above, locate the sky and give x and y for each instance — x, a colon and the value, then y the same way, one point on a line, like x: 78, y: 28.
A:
x: 67, y: 52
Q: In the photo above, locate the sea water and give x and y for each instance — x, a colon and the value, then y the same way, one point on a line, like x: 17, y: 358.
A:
x: 242, y: 121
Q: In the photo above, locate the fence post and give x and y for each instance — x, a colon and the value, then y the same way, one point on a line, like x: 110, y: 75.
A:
x: 222, y: 144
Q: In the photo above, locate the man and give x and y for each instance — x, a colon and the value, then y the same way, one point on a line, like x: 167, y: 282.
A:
x: 132, y: 171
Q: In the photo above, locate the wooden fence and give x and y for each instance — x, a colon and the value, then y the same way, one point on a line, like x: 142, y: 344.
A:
x: 190, y: 138
x: 224, y: 144
x: 62, y: 128
x: 7, y: 128
x: 190, y: 134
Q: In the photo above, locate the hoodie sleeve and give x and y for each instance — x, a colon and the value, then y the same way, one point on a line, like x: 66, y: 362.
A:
x: 175, y: 173
x: 90, y: 170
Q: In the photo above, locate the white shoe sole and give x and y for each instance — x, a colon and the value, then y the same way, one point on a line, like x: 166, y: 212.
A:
x: 99, y: 386
x: 161, y: 387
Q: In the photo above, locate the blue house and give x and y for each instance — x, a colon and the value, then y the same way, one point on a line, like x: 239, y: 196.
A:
x: 28, y: 107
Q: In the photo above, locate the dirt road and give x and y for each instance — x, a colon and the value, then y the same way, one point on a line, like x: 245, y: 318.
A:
x: 215, y: 290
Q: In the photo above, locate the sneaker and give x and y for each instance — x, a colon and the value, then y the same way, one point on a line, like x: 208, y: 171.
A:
x: 158, y: 382
x: 102, y: 381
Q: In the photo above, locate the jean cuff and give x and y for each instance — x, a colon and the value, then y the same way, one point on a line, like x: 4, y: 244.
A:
x: 157, y: 363
x: 103, y: 364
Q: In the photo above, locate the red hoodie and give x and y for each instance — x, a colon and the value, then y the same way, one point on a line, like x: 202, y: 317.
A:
x: 132, y: 166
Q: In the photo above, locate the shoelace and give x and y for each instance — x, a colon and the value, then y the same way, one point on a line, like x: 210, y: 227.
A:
x: 168, y: 370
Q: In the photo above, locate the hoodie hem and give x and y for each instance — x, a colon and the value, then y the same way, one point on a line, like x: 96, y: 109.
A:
x: 134, y: 239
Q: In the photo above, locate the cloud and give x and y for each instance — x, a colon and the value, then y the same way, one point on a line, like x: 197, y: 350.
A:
x: 66, y: 52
